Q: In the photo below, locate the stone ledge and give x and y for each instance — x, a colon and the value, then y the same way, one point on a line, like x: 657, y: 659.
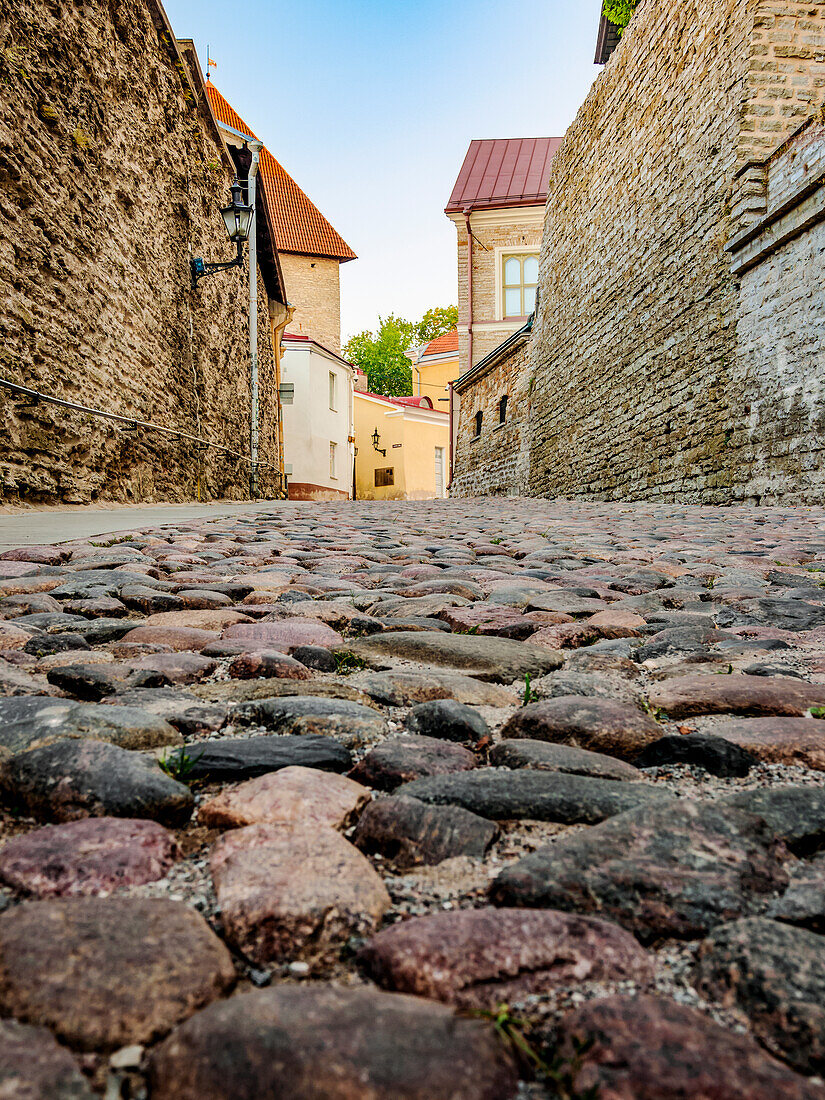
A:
x: 802, y: 210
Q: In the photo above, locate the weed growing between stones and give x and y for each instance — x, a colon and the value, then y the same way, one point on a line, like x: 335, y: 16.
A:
x: 179, y: 765
x: 346, y: 663
x: 530, y: 696
x: 559, y: 1073
x: 656, y: 713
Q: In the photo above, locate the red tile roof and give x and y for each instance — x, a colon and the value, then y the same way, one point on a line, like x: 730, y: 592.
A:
x: 298, y: 225
x: 503, y: 172
x: 442, y: 345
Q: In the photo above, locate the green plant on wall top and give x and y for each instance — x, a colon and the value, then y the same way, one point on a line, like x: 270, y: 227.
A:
x: 620, y: 12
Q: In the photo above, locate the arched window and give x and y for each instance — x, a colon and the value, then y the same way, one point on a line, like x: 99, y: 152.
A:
x: 479, y: 417
x: 502, y: 409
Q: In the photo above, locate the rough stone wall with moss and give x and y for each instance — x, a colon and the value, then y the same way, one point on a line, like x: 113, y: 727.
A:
x: 638, y: 387
x: 110, y: 174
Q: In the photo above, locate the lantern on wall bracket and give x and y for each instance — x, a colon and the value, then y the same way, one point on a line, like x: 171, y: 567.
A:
x: 237, y: 218
x: 376, y: 439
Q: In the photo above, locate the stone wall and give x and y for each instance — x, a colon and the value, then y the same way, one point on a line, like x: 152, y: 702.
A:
x: 493, y: 463
x: 778, y: 445
x: 314, y: 287
x: 110, y: 172
x: 638, y: 390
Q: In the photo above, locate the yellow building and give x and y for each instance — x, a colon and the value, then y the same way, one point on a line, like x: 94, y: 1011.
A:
x: 436, y: 367
x: 401, y: 448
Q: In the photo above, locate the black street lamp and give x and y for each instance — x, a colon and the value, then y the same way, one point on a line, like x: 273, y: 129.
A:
x: 376, y: 439
x: 238, y: 219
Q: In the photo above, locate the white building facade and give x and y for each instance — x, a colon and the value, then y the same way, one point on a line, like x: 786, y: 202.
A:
x: 316, y: 396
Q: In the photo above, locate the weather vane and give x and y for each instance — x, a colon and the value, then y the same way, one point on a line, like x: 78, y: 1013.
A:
x: 210, y: 64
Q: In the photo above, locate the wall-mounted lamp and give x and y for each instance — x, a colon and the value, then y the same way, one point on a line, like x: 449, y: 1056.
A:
x: 376, y: 439
x: 238, y: 220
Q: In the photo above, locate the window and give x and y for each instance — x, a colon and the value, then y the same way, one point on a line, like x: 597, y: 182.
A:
x: 502, y: 409
x: 333, y: 391
x: 385, y: 477
x: 333, y: 447
x: 479, y: 419
x: 521, y: 277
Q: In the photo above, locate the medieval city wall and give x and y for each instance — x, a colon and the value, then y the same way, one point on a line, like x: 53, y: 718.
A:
x: 638, y: 387
x: 111, y: 171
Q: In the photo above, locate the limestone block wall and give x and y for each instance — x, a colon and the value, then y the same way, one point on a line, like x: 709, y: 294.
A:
x: 494, y: 463
x: 778, y: 444
x: 110, y: 173
x: 637, y: 388
x: 314, y: 287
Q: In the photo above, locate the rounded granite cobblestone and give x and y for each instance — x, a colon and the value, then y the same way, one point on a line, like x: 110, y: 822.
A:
x: 603, y: 717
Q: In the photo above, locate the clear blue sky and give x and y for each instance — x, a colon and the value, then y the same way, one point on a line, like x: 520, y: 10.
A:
x: 370, y: 106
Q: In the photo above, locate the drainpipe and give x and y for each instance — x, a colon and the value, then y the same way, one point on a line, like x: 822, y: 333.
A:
x: 469, y: 288
x: 278, y: 330
x: 255, y: 148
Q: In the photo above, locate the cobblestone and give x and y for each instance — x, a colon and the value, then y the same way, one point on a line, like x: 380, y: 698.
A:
x: 750, y: 578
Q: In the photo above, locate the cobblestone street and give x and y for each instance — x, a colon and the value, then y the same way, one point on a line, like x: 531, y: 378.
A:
x: 266, y: 775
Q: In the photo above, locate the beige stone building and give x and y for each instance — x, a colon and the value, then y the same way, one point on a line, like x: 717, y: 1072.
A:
x: 497, y: 207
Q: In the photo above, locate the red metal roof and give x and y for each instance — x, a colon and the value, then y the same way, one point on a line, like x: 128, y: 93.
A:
x: 298, y: 224
x: 503, y: 172
x: 419, y: 402
x: 442, y: 345
x: 416, y: 402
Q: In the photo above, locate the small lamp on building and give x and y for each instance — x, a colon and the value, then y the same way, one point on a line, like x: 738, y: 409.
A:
x: 376, y: 439
x: 237, y: 217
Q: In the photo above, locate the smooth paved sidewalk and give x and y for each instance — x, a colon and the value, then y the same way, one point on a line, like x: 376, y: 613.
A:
x: 37, y: 528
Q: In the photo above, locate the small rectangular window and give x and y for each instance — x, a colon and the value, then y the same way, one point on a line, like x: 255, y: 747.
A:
x: 385, y: 477
x: 333, y: 394
x: 333, y: 447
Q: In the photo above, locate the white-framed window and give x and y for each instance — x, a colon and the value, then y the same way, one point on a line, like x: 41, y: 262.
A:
x: 519, y: 279
x: 333, y: 391
x: 333, y: 448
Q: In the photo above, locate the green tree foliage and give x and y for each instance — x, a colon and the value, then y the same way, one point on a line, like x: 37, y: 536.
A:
x: 436, y: 322
x: 620, y: 12
x: 384, y: 355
